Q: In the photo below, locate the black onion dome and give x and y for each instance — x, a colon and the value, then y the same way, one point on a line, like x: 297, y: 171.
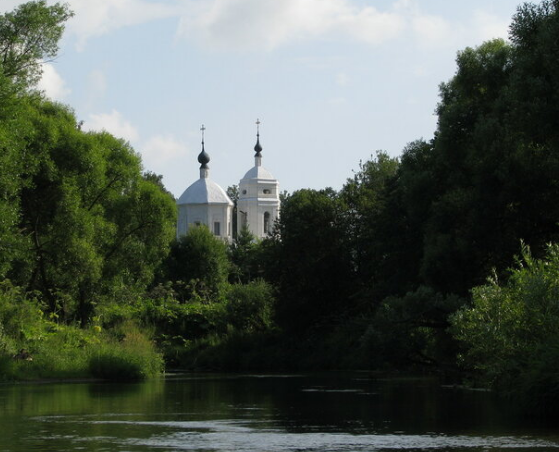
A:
x: 258, y: 148
x: 203, y: 157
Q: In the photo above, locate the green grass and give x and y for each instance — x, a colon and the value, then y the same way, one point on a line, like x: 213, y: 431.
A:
x: 133, y: 358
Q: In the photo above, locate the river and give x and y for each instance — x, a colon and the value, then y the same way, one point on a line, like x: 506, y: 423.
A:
x: 332, y: 412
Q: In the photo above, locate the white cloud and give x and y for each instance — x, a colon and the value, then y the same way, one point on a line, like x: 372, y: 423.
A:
x: 96, y: 89
x: 267, y: 24
x: 337, y: 101
x: 53, y: 84
x: 489, y: 26
x: 319, y: 63
x: 433, y: 31
x: 99, y: 17
x: 420, y: 71
x: 113, y: 123
x: 436, y: 31
x: 97, y: 82
x: 342, y: 79
x: 162, y: 149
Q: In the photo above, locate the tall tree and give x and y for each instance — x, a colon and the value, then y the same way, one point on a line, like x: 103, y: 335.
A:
x: 364, y: 200
x: 534, y: 117
x: 198, y: 265
x: 400, y: 223
x: 28, y: 36
x: 309, y: 261
x: 89, y: 222
x: 464, y: 232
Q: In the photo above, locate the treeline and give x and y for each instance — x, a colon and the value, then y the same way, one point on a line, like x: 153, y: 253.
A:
x: 81, y: 227
x: 390, y: 272
x: 382, y: 272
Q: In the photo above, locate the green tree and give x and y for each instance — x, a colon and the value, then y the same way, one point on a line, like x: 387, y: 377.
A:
x: 412, y: 331
x: 534, y: 114
x: 250, y: 307
x: 198, y: 265
x: 364, y: 200
x: 28, y: 36
x: 309, y: 262
x: 511, y: 331
x: 90, y: 225
x: 245, y: 255
x: 464, y: 232
x: 78, y: 222
x: 402, y: 221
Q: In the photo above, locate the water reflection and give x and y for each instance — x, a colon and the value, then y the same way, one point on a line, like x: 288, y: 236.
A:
x: 334, y: 412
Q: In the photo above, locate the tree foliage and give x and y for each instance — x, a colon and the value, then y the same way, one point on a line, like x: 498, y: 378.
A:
x: 198, y: 265
x: 28, y: 36
x: 245, y: 255
x: 309, y: 261
x: 90, y: 224
x: 511, y: 331
x: 79, y: 223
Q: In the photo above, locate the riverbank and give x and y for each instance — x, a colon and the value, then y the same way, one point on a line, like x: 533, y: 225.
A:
x: 62, y: 352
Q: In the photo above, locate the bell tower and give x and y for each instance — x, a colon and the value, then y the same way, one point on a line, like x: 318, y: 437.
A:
x: 258, y: 205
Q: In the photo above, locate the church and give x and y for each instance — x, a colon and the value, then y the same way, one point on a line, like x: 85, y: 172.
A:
x: 205, y: 202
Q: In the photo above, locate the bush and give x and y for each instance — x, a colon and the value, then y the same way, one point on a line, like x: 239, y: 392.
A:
x: 7, y: 371
x: 411, y: 331
x: 249, y: 306
x: 184, y: 321
x: 236, y: 351
x: 116, y: 364
x: 510, y: 333
x: 21, y: 317
x: 132, y: 358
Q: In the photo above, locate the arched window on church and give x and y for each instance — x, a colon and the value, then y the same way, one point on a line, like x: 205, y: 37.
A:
x: 266, y: 222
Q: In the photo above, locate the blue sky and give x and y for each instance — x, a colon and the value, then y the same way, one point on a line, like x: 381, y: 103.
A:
x: 332, y: 81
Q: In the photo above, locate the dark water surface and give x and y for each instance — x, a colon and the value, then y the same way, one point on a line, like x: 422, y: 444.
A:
x: 276, y: 413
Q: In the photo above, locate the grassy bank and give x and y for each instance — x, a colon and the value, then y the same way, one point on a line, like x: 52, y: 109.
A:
x: 70, y: 352
x: 34, y: 346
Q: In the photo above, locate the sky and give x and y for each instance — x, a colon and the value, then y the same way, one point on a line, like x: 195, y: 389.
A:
x: 331, y: 81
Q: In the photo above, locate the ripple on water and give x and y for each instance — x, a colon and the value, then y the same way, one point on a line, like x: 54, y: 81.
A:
x: 238, y: 436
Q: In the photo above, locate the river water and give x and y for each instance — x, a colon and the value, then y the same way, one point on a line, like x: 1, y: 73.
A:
x: 277, y: 413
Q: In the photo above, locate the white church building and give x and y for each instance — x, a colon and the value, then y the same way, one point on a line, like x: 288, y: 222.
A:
x: 205, y: 202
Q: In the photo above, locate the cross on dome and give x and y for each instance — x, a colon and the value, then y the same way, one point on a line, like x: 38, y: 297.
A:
x: 258, y: 147
x: 203, y: 157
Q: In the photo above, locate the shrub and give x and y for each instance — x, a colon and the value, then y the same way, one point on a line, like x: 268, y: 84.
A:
x: 411, y: 330
x: 132, y: 358
x: 7, y: 371
x: 510, y: 333
x: 249, y: 307
x: 184, y: 321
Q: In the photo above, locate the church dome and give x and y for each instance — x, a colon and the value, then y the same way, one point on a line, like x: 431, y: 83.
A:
x: 204, y: 191
x: 258, y: 172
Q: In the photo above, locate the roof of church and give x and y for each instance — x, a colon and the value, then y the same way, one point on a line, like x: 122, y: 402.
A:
x: 204, y: 191
x: 258, y: 172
